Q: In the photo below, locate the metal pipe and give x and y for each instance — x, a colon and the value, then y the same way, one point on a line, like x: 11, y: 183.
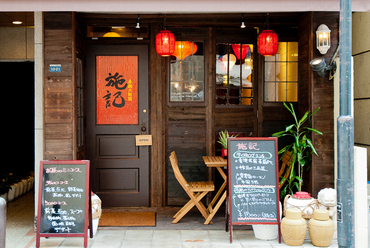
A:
x: 345, y: 181
x: 2, y: 222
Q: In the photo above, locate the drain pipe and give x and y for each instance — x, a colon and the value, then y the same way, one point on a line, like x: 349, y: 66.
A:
x: 2, y: 222
x: 345, y: 181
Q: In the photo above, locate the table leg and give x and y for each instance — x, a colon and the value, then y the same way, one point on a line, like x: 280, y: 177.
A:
x: 215, y: 209
x: 223, y: 186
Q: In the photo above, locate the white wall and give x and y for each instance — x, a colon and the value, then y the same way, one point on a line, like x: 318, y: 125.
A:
x: 39, y: 68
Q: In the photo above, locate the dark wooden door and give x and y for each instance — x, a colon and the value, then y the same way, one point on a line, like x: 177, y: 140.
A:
x: 116, y: 111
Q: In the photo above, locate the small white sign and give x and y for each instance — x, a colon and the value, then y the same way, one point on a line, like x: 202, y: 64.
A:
x: 143, y: 140
x: 55, y: 67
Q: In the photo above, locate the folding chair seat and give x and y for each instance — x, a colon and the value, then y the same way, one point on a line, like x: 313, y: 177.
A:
x: 195, y: 190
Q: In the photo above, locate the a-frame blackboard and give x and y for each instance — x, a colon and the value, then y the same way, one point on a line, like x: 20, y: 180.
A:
x: 253, y: 182
x: 64, y: 199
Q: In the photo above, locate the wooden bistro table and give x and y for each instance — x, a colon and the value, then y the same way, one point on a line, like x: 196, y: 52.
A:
x: 216, y: 162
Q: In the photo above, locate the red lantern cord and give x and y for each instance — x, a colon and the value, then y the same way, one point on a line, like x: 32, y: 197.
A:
x: 268, y: 43
x: 165, y: 43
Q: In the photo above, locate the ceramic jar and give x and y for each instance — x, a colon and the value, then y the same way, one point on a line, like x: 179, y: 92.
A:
x: 96, y: 212
x: 17, y: 189
x: 293, y: 227
x: 303, y: 201
x: 25, y: 183
x: 321, y: 228
x: 11, y: 193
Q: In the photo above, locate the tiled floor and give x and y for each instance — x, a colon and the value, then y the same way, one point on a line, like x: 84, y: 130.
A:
x: 190, y: 232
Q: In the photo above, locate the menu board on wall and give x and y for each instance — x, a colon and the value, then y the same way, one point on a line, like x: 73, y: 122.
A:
x: 63, y: 206
x: 253, y: 181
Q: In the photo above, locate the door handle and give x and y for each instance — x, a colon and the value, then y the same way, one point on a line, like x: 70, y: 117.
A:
x: 143, y: 129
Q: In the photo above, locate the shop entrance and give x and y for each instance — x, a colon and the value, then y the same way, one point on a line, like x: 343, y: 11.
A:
x: 116, y: 111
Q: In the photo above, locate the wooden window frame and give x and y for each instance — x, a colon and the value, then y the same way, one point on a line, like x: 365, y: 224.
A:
x: 168, y: 81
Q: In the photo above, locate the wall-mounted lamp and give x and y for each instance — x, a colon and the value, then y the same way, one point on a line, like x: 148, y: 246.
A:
x: 320, y: 67
x: 323, y: 38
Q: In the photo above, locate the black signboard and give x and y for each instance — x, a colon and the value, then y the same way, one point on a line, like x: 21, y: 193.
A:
x: 253, y: 182
x: 63, y: 206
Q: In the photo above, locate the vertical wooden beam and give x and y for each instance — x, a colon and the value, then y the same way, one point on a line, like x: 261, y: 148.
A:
x: 210, y: 94
x: 74, y: 87
x: 314, y: 92
x: 157, y: 101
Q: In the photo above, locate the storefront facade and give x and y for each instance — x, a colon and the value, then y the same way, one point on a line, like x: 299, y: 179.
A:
x: 183, y: 102
x: 243, y: 97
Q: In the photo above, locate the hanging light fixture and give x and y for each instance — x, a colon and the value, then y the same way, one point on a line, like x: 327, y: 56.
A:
x: 184, y: 49
x: 244, y: 50
x: 323, y: 38
x: 229, y: 60
x: 268, y: 41
x: 138, y: 21
x: 242, y: 25
x: 165, y: 43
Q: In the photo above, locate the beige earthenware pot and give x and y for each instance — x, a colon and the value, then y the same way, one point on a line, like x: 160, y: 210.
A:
x: 293, y: 227
x: 321, y: 228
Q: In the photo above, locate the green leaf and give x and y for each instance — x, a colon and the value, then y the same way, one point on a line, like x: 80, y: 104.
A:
x: 314, y: 130
x: 304, y: 118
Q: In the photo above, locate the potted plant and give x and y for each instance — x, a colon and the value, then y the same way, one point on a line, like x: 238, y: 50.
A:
x: 300, y: 149
x: 222, y: 139
x: 4, y: 186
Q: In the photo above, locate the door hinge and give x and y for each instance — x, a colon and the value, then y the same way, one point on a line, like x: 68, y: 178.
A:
x: 257, y: 114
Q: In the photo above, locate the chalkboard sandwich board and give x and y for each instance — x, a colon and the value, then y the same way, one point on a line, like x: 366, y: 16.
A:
x: 253, y: 182
x: 64, y: 199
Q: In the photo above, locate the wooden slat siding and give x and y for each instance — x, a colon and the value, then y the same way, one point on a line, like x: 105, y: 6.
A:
x: 78, y: 41
x: 156, y: 111
x: 323, y: 97
x: 210, y: 102
x: 320, y: 94
x: 188, y: 139
x: 58, y: 86
x: 186, y: 113
x: 58, y: 131
x: 306, y: 42
x: 237, y: 119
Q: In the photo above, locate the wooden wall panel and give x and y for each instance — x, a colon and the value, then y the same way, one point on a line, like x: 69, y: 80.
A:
x: 157, y: 124
x: 323, y: 97
x: 59, y: 87
x: 188, y: 139
x: 60, y: 149
x: 318, y: 92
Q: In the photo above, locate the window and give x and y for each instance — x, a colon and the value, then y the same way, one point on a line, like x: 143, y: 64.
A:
x: 234, y: 69
x: 187, y: 72
x: 281, y: 74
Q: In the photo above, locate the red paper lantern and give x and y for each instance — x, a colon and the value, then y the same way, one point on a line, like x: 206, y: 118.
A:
x: 268, y: 43
x: 236, y: 49
x: 165, y: 43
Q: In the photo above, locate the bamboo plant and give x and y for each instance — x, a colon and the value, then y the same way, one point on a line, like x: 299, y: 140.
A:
x: 301, y: 148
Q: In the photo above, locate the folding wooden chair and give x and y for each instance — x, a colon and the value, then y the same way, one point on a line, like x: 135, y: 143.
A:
x: 286, y: 166
x: 195, y: 190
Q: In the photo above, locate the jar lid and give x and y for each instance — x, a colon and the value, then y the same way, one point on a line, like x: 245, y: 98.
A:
x: 293, y: 213
x: 321, y: 214
x: 302, y: 195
